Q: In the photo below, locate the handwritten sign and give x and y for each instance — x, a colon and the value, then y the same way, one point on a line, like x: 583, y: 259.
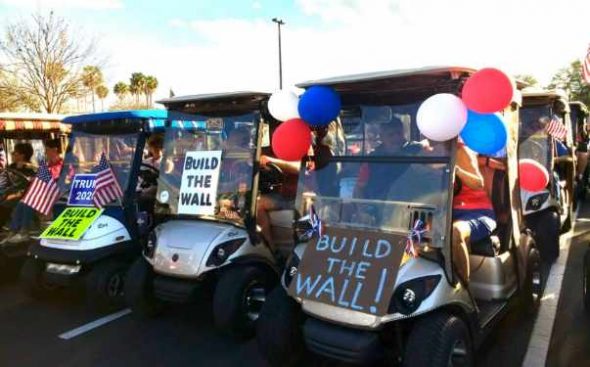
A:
x: 198, y: 188
x: 82, y: 190
x: 72, y: 223
x: 351, y: 269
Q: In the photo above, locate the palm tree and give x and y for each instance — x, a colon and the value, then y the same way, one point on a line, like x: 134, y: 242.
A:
x: 137, y: 85
x: 102, y: 92
x: 151, y: 84
x: 92, y: 78
x: 121, y: 89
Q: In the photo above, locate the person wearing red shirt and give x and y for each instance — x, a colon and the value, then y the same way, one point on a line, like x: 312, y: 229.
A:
x: 473, y: 213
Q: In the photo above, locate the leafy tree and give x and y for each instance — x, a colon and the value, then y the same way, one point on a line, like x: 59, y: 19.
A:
x: 46, y: 62
x: 137, y: 85
x: 151, y: 84
x: 570, y: 79
x: 102, y: 92
x: 121, y: 89
x: 527, y: 78
x: 92, y: 78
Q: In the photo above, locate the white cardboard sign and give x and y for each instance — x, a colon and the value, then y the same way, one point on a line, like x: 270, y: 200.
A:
x: 200, y: 177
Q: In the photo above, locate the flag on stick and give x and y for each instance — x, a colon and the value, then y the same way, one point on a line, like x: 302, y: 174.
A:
x: 42, y: 192
x: 107, y: 187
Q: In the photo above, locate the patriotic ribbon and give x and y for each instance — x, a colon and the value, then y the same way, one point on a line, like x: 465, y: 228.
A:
x: 316, y: 223
x: 415, y: 234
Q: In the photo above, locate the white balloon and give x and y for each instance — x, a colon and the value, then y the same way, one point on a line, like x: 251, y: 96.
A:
x: 441, y: 117
x: 283, y: 104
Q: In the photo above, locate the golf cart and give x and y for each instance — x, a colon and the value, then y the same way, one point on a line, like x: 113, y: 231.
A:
x: 95, y: 248
x: 352, y: 292
x: 578, y: 115
x: 33, y: 128
x: 206, y: 241
x: 548, y: 213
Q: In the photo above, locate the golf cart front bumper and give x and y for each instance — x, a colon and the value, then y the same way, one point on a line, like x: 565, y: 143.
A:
x: 60, y: 256
x: 344, y: 344
x: 176, y: 290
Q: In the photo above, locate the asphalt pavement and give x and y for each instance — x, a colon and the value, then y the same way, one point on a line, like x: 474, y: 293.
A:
x: 30, y: 330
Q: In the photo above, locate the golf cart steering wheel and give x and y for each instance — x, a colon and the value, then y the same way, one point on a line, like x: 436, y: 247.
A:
x: 148, y: 174
x: 271, y: 178
x: 13, y: 172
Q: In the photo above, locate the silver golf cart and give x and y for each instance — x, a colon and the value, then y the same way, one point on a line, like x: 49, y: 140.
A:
x: 206, y: 241
x: 376, y: 281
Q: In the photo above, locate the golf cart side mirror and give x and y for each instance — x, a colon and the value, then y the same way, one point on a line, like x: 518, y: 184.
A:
x: 303, y: 228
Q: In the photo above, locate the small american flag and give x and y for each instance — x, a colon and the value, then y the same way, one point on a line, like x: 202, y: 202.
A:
x: 107, y: 187
x: 586, y: 67
x: 43, y: 191
x: 556, y: 129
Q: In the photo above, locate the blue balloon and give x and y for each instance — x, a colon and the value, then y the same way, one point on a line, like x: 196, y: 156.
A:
x: 319, y: 105
x: 484, y: 133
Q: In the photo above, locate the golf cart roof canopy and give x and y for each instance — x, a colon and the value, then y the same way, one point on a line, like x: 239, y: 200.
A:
x: 403, y: 85
x: 217, y: 103
x: 581, y: 107
x: 118, y: 115
x: 535, y: 97
x: 31, y: 125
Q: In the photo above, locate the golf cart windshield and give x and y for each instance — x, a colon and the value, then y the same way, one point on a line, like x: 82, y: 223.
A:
x: 85, y: 150
x: 210, y: 187
x: 383, y: 175
x: 534, y: 142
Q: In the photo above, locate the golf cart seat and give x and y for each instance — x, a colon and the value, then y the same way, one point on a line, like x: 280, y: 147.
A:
x: 489, y: 246
x: 281, y: 222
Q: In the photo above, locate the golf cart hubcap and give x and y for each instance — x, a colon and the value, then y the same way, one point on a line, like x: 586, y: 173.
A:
x: 458, y: 355
x: 255, y: 298
x: 115, y: 286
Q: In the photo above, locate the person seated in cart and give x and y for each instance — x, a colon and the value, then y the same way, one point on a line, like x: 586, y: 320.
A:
x: 473, y: 213
x: 23, y: 216
x: 147, y: 181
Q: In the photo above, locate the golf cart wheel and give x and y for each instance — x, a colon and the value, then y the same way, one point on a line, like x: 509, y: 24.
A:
x: 278, y: 330
x: 532, y: 290
x: 138, y: 290
x: 104, y: 285
x: 32, y: 279
x: 586, y: 280
x: 547, y: 234
x: 437, y: 340
x: 238, y: 299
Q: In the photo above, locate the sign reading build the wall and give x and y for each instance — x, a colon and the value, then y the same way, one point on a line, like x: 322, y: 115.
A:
x: 71, y: 224
x: 200, y: 177
x: 350, y: 268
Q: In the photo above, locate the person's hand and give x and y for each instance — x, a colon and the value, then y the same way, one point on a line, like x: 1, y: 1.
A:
x: 12, y: 197
x: 264, y: 160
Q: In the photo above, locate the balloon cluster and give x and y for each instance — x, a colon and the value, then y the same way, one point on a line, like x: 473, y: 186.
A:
x: 317, y: 107
x: 474, y: 116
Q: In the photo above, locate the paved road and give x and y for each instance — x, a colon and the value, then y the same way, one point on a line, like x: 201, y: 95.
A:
x: 185, y: 336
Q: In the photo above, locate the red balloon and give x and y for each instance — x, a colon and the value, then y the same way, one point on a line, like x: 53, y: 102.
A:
x: 487, y: 91
x: 291, y: 140
x: 533, y: 175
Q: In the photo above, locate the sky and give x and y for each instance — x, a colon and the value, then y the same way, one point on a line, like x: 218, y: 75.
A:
x: 201, y: 46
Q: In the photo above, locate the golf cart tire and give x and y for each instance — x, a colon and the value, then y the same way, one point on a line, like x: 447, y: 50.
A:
x: 229, y: 308
x: 278, y: 330
x: 532, y: 290
x: 138, y: 290
x: 432, y: 340
x: 547, y: 234
x: 99, y: 282
x: 586, y: 280
x: 31, y: 279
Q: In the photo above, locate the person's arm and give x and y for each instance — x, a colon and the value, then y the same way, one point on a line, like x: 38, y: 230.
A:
x: 286, y: 166
x: 467, y: 169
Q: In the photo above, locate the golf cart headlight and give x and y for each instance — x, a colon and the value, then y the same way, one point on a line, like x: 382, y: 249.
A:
x: 291, y: 269
x: 223, y: 251
x: 409, y: 296
x: 151, y: 244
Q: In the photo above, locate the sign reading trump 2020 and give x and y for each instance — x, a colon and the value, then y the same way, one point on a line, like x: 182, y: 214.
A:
x: 82, y: 190
x: 353, y: 269
x: 198, y: 188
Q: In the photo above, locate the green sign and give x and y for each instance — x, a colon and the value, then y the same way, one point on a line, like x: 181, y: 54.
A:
x: 71, y: 223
